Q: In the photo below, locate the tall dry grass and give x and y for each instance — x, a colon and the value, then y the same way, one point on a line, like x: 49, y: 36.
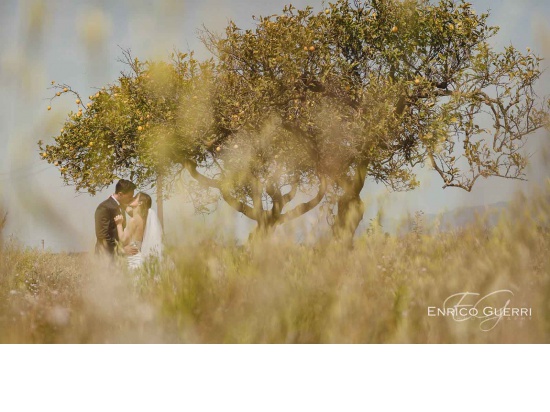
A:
x: 277, y: 291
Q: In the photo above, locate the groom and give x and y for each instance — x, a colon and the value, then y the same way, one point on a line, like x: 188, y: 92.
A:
x: 105, y: 226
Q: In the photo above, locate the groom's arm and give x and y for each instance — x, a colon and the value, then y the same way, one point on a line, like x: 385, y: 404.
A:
x: 102, y: 220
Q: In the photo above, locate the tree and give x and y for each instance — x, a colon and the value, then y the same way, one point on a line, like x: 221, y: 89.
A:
x: 446, y: 82
x: 315, y: 103
x: 166, y: 118
x: 377, y: 88
x: 128, y: 129
x: 281, y: 70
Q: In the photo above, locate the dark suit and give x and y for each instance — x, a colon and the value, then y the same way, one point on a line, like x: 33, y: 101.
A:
x: 105, y: 226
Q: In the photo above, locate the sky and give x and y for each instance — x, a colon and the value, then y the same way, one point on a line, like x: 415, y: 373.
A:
x: 78, y: 42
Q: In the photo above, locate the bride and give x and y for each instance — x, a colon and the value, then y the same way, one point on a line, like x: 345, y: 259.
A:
x: 143, y: 230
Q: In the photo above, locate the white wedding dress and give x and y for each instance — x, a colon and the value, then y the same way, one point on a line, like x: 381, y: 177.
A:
x: 151, y: 245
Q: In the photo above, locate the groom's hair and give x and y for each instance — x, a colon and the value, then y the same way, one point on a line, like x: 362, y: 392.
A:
x: 124, y: 186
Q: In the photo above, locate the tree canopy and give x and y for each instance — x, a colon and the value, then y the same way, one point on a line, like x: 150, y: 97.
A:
x: 314, y: 103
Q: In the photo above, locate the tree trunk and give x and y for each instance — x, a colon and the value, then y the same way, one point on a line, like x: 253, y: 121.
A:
x: 265, y: 219
x: 350, y: 206
x: 350, y: 213
x: 262, y: 230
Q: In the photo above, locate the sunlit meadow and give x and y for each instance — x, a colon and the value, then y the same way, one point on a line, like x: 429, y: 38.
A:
x: 277, y: 291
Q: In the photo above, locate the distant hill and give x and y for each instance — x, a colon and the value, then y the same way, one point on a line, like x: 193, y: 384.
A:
x: 461, y: 217
x: 452, y: 219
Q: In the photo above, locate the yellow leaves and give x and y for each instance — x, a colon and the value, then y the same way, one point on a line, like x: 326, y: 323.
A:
x: 65, y: 90
x: 58, y: 94
x: 77, y: 101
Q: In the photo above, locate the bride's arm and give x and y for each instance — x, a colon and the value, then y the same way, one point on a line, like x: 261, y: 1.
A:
x: 124, y: 235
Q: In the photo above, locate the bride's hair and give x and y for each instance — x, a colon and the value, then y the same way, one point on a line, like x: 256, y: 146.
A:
x: 145, y: 204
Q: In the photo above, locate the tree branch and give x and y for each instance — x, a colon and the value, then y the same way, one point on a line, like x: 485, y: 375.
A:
x: 307, y: 206
x: 239, y: 206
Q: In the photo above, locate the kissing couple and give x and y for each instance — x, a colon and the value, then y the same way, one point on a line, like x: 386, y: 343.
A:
x: 137, y: 240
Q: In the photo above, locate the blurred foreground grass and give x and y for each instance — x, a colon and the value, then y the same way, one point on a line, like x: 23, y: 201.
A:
x: 276, y: 291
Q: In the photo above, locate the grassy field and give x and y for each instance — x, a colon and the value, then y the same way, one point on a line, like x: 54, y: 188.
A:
x: 276, y: 291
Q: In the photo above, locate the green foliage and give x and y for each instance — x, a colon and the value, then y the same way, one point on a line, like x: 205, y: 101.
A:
x: 128, y: 129
x: 314, y: 103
